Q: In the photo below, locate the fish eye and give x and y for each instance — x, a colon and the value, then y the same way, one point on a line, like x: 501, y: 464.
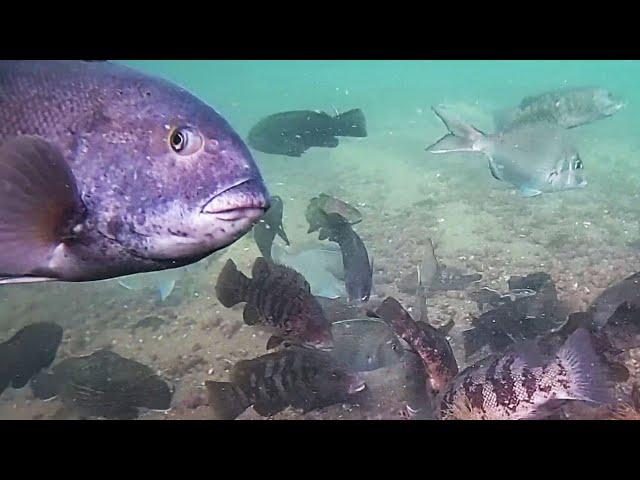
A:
x: 185, y: 140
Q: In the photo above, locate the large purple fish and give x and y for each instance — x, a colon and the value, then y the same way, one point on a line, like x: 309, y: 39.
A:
x: 106, y: 171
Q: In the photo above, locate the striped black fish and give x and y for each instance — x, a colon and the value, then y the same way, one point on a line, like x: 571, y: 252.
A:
x: 277, y: 297
x: 302, y: 378
x: 428, y: 342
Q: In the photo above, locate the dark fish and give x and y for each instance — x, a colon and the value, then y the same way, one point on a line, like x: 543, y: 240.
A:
x: 302, y: 378
x: 30, y: 350
x: 523, y: 383
x: 365, y: 344
x: 293, y: 133
x: 428, y: 342
x: 104, y: 384
x: 276, y: 297
x: 525, y: 312
x: 270, y: 225
x: 358, y: 271
x: 625, y: 292
x: 488, y: 297
x: 568, y: 108
x: 323, y: 206
x: 107, y: 172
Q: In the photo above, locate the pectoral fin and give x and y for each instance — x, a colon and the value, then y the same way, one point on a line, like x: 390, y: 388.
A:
x: 39, y: 207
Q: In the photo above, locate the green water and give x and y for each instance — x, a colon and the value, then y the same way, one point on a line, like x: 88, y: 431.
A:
x: 586, y: 239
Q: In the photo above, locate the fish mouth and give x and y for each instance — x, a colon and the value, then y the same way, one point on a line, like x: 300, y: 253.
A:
x: 245, y: 199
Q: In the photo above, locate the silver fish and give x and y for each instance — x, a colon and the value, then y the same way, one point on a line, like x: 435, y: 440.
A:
x: 365, y: 344
x: 163, y: 282
x: 321, y: 266
x: 533, y: 158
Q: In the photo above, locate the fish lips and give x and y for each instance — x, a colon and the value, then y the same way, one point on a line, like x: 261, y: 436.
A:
x: 246, y: 199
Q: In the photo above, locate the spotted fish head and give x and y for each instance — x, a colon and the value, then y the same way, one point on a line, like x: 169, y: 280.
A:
x: 171, y: 180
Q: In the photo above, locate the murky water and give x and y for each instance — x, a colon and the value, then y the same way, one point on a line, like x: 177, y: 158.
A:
x: 585, y: 239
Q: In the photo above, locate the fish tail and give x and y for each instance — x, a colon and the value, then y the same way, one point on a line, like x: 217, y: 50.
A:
x: 462, y: 137
x: 226, y: 400
x: 232, y: 286
x: 351, y: 124
x: 586, y: 373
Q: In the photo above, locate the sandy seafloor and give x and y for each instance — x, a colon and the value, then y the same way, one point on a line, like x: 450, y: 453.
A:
x: 586, y: 239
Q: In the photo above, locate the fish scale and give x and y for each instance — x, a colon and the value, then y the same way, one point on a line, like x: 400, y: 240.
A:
x: 297, y: 377
x: 514, y: 386
x: 96, y: 125
x: 278, y: 298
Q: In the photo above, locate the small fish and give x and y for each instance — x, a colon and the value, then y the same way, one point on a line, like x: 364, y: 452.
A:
x: 429, y: 268
x: 534, y: 158
x: 488, y: 296
x: 428, y: 342
x: 452, y: 278
x: 30, y: 350
x: 568, y: 108
x: 525, y: 312
x: 104, y: 384
x: 107, y: 171
x: 321, y: 266
x: 293, y: 133
x: 525, y: 384
x: 323, y: 206
x: 302, y: 378
x: 626, y: 292
x: 432, y: 276
x: 326, y: 214
x: 358, y: 271
x: 428, y: 271
x: 270, y: 225
x: 277, y: 297
x: 163, y: 282
x: 365, y: 344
